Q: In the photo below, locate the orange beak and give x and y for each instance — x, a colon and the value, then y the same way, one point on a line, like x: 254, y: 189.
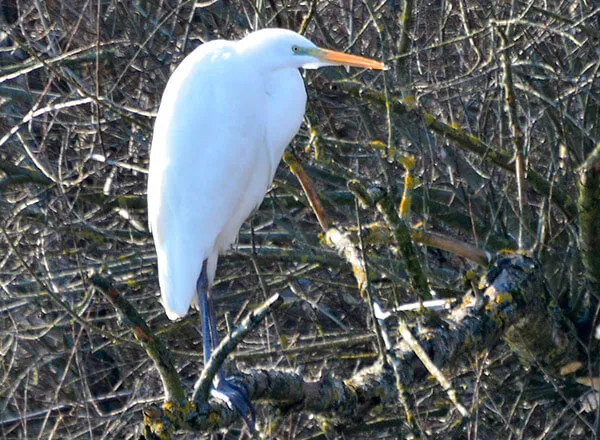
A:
x: 346, y: 59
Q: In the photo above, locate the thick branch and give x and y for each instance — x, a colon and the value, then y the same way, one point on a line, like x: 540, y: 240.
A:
x: 510, y: 298
x: 589, y: 225
x: 154, y: 347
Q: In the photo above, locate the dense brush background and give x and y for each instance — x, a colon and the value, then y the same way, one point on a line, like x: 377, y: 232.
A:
x: 80, y: 83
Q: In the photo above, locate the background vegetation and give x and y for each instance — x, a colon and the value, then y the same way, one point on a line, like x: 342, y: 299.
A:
x: 479, y: 92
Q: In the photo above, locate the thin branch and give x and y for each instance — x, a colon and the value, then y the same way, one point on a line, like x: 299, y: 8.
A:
x: 510, y: 100
x: 489, y: 154
x: 228, y: 345
x: 431, y: 367
x: 340, y: 240
x: 402, y: 234
x: 458, y: 247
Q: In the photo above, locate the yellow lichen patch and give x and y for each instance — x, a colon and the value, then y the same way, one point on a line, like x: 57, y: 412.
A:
x: 318, y: 150
x: 411, y: 181
x: 483, y: 283
x: 429, y: 118
x: 147, y: 420
x: 503, y: 298
x: 169, y: 406
x: 467, y: 300
x: 361, y: 278
x: 378, y: 145
x: 291, y: 162
x: 455, y: 125
x: 323, y: 239
x: 214, y: 419
x: 190, y: 407
x: 177, y: 413
x: 350, y: 384
x: 328, y: 429
x: 410, y: 101
x: 471, y: 275
x: 158, y: 428
x: 405, y: 207
x: 155, y: 425
x: 408, y: 161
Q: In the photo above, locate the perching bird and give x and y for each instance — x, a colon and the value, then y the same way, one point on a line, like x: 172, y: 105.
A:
x: 226, y: 116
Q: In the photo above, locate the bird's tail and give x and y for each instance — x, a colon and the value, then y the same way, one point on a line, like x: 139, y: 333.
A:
x: 177, y: 276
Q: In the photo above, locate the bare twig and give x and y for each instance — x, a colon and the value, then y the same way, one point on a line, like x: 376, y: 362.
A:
x: 431, y: 367
x: 510, y: 100
x: 471, y: 143
x: 228, y: 344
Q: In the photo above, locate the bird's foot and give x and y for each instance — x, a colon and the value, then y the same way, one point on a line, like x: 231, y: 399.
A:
x: 236, y: 397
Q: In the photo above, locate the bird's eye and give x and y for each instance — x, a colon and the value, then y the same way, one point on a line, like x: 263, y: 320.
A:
x: 295, y: 49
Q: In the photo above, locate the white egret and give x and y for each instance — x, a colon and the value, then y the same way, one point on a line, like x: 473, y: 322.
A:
x: 226, y: 116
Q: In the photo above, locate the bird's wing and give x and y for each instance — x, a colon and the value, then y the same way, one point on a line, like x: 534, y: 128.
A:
x: 209, y: 141
x: 284, y: 104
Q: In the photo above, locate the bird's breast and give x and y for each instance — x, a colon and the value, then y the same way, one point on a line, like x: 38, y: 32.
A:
x: 286, y: 103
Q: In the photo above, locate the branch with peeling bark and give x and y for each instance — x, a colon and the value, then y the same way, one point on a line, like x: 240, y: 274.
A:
x: 510, y: 297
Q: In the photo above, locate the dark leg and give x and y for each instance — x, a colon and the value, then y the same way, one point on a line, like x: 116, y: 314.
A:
x: 202, y: 291
x: 235, y: 396
x: 210, y: 332
x: 212, y: 316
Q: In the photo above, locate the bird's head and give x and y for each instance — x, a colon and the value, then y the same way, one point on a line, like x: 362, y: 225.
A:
x: 284, y: 48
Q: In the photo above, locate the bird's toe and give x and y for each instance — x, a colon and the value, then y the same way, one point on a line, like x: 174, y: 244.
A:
x: 236, y: 397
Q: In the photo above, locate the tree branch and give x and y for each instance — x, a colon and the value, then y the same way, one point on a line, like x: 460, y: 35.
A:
x: 163, y: 361
x: 510, y: 298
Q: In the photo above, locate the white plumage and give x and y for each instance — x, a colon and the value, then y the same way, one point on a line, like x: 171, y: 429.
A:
x: 226, y: 116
